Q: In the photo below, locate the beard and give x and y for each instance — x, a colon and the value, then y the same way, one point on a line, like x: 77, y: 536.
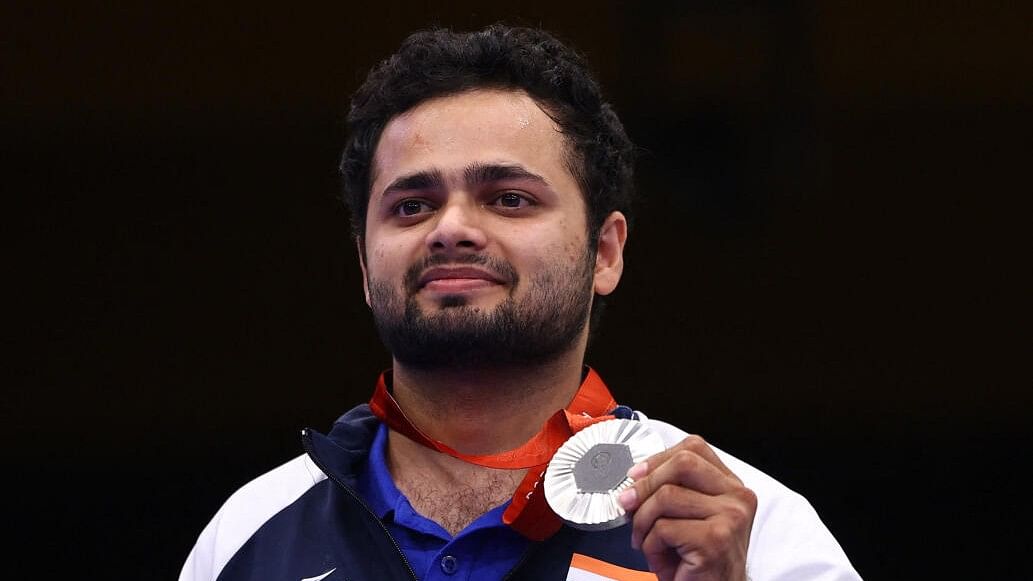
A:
x: 537, y: 328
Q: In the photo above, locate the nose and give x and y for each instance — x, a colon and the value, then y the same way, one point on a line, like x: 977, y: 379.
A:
x: 457, y: 227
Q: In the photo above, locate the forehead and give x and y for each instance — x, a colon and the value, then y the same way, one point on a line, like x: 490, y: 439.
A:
x: 483, y: 125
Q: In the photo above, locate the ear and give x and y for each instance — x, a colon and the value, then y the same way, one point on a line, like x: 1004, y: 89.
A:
x: 609, y: 253
x: 360, y: 246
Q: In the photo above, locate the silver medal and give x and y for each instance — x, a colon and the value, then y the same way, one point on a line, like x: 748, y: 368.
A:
x: 590, y: 470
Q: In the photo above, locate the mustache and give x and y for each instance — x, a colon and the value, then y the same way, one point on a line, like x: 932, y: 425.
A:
x: 496, y: 266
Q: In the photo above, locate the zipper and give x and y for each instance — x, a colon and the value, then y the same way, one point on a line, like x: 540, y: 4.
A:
x: 308, y: 449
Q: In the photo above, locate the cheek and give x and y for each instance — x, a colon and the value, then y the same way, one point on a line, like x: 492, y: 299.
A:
x: 382, y: 261
x: 573, y: 247
x: 552, y: 258
x: 574, y: 250
x: 551, y: 247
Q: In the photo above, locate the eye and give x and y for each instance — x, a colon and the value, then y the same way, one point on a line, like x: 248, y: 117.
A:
x: 411, y: 207
x: 512, y: 200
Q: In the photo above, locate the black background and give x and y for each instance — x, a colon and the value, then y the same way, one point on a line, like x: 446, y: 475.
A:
x: 824, y: 278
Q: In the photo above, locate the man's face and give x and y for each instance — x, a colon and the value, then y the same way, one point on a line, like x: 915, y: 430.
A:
x: 476, y: 248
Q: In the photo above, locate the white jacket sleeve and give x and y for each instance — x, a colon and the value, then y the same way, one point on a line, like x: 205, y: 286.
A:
x: 788, y: 541
x: 244, y: 513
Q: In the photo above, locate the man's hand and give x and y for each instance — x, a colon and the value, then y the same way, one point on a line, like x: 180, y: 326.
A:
x: 691, y: 516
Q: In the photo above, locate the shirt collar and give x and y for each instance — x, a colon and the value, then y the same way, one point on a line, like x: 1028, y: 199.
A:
x: 375, y: 483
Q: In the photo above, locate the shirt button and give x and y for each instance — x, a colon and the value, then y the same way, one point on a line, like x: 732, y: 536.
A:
x: 449, y: 564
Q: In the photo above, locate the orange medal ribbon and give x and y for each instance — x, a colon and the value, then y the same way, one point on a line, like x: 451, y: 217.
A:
x: 529, y: 514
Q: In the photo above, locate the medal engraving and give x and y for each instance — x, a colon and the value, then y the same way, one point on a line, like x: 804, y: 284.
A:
x: 603, y: 468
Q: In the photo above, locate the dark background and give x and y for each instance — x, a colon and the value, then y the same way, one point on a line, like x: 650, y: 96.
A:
x: 824, y: 279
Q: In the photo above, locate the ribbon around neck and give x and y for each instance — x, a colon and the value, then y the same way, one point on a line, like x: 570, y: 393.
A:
x: 528, y: 513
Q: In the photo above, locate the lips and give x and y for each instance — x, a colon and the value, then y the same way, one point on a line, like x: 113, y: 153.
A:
x: 457, y: 276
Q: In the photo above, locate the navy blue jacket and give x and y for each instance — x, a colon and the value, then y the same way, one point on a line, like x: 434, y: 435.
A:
x: 329, y: 526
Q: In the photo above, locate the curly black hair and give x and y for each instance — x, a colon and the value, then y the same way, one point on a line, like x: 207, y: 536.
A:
x: 440, y: 62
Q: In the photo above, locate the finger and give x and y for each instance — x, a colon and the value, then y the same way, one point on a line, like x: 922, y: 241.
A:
x: 671, y: 501
x: 683, y: 468
x: 672, y: 544
x: 692, y: 443
x: 689, y: 549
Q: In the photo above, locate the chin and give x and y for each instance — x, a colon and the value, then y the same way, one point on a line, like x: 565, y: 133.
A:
x: 453, y: 301
x: 457, y: 300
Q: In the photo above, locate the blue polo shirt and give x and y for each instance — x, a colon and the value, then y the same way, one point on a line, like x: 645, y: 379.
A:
x: 486, y: 549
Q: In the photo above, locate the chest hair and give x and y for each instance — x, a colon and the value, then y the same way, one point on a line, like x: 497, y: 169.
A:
x: 455, y: 501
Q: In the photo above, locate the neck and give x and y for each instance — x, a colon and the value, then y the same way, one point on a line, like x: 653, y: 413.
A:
x: 486, y: 411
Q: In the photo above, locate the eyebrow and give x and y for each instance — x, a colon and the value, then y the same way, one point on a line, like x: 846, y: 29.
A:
x: 421, y: 180
x: 482, y: 173
x: 474, y: 174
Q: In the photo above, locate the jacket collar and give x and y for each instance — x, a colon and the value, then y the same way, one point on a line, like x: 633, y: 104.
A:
x: 343, y: 451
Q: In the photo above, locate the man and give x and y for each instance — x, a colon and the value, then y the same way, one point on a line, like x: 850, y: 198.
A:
x: 489, y: 183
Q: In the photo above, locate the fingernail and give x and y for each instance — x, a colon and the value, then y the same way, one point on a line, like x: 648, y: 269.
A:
x: 628, y: 498
x: 637, y: 471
